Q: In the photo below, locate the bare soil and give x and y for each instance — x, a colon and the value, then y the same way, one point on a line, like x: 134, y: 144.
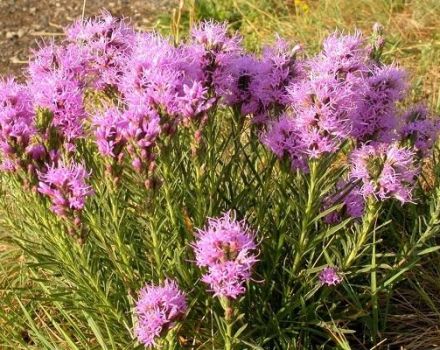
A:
x: 25, y: 22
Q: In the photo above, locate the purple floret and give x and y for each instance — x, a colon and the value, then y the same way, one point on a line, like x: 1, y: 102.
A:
x: 284, y: 139
x: 323, y: 110
x: 227, y: 249
x: 110, y: 132
x: 63, y: 97
x: 421, y: 131
x: 214, y: 37
x: 66, y: 187
x: 157, y: 309
x: 384, y: 171
x: 17, y: 124
x: 329, y: 276
x: 376, y: 116
x: 107, y: 42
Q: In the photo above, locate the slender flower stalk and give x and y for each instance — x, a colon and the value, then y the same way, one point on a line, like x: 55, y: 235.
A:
x: 228, y: 319
x: 309, y: 213
x: 226, y: 247
x: 368, y: 221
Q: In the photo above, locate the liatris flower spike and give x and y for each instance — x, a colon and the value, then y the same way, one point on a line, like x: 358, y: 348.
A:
x: 419, y: 130
x: 158, y: 308
x: 110, y: 130
x: 16, y: 123
x: 384, y: 171
x: 66, y: 187
x: 227, y: 248
x: 107, y: 42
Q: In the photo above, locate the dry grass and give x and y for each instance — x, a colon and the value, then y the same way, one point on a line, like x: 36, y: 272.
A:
x: 412, y: 29
x: 415, y: 323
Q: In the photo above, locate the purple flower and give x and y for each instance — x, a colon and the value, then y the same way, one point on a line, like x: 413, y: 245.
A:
x: 69, y: 61
x: 167, y: 79
x: 384, y: 171
x: 284, y: 139
x: 234, y: 83
x: 16, y: 122
x: 323, y: 110
x: 376, y: 115
x: 327, y: 97
x: 421, y: 131
x: 343, y: 56
x: 212, y: 48
x: 352, y: 200
x: 279, y: 68
x: 151, y: 53
x: 194, y: 101
x: 108, y: 41
x: 110, y: 130
x: 157, y: 309
x: 58, y: 76
x: 329, y: 276
x: 66, y: 187
x: 141, y: 133
x: 36, y: 152
x: 214, y: 37
x: 227, y: 249
x: 63, y: 97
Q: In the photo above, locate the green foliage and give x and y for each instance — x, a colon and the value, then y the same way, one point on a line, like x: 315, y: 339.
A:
x: 58, y: 292
x: 79, y: 294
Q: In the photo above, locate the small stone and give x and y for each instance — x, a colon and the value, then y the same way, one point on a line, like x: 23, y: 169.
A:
x: 21, y: 32
x: 10, y: 35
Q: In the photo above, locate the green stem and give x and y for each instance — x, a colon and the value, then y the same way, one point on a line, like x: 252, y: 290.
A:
x: 171, y: 340
x: 372, y: 208
x: 374, y: 301
x: 229, y: 339
x: 308, y: 216
x: 156, y: 248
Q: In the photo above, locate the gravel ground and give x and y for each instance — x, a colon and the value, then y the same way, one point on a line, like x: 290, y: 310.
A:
x: 23, y: 22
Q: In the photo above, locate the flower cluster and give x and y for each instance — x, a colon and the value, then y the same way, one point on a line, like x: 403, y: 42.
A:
x: 56, y: 80
x: 284, y: 139
x: 353, y: 203
x: 342, y: 95
x: 227, y: 249
x: 384, y: 171
x: 106, y: 42
x: 66, y: 187
x: 376, y: 118
x: 420, y: 130
x: 110, y: 132
x: 157, y: 309
x: 16, y: 123
x: 325, y: 99
x: 303, y: 108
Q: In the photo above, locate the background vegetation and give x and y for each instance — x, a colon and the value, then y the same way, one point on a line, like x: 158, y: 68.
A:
x: 413, y: 40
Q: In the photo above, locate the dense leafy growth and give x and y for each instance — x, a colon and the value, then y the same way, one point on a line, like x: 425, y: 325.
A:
x: 196, y: 195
